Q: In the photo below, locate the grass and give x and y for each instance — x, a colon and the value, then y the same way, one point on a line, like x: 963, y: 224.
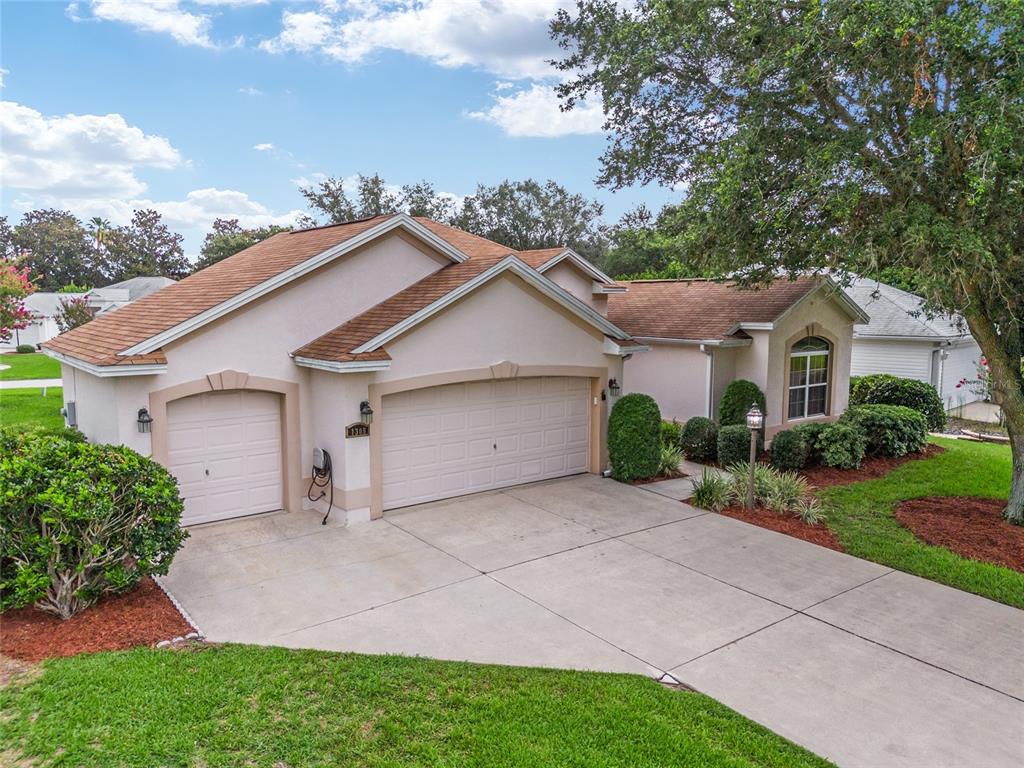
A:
x: 28, y: 408
x: 32, y: 366
x: 861, y: 514
x: 236, y: 705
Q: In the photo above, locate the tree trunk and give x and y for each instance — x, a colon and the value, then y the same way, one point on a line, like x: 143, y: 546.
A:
x: 1008, y: 393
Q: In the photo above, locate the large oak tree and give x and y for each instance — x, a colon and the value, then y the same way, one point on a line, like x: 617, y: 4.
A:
x: 829, y: 135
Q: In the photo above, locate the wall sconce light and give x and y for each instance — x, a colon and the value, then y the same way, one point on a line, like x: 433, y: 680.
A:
x: 614, y: 388
x: 365, y: 412
x: 145, y: 421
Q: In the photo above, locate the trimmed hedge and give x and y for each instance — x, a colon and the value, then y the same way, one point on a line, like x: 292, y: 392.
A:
x: 736, y: 401
x: 883, y: 389
x: 810, y: 432
x: 24, y: 349
x: 81, y: 521
x: 634, y: 437
x: 734, y: 444
x: 789, y: 450
x: 890, y: 430
x: 672, y: 434
x: 700, y: 439
x: 841, y: 445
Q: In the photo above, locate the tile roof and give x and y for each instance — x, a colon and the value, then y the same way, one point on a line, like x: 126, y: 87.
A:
x: 699, y: 309
x: 898, y: 313
x: 100, y: 341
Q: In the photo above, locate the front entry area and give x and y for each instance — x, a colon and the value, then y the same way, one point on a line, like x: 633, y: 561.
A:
x: 224, y: 448
x: 458, y: 439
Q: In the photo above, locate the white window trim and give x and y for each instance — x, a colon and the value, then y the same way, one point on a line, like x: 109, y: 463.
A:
x: 807, y: 386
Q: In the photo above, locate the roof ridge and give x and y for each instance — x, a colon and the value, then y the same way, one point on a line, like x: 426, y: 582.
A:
x: 340, y: 223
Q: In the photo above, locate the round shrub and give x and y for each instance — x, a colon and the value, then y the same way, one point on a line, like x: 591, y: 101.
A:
x: 841, y: 445
x: 671, y: 434
x: 789, y: 450
x: 700, y: 439
x: 736, y: 401
x: 810, y: 432
x: 24, y: 349
x: 734, y: 444
x: 634, y: 437
x: 82, y: 521
x: 891, y: 430
x: 883, y: 389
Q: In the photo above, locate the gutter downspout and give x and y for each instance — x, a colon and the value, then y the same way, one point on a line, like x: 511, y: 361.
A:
x: 709, y: 379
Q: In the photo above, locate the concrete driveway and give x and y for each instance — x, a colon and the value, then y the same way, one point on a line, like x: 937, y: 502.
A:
x: 860, y: 664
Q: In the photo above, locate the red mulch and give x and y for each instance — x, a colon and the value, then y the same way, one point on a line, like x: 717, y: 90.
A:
x: 869, y: 468
x: 971, y: 527
x: 143, y: 616
x: 787, y: 524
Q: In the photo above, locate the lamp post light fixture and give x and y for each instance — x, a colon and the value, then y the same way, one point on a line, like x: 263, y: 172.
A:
x: 614, y: 388
x: 145, y: 421
x: 755, y: 420
x: 365, y: 412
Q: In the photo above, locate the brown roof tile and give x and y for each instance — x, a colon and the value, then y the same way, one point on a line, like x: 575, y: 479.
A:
x: 699, y: 309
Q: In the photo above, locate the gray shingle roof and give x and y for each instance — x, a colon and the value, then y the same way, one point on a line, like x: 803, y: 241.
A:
x: 138, y: 287
x: 896, y: 313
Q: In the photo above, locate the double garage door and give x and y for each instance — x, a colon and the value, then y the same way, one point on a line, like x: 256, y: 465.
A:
x: 464, y: 438
x: 225, y: 450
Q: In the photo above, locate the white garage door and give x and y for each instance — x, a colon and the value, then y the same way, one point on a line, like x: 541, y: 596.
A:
x: 225, y: 450
x: 463, y: 438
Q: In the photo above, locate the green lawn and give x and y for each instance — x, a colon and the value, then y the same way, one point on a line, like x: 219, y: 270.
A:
x: 28, y: 408
x: 237, y: 705
x: 32, y: 366
x: 861, y: 515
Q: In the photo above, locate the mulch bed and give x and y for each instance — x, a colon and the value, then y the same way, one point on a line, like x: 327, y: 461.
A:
x: 971, y: 527
x: 791, y: 526
x: 869, y: 468
x: 143, y: 616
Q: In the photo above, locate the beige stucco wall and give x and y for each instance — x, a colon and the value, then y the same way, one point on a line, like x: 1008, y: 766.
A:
x: 578, y: 284
x: 674, y: 375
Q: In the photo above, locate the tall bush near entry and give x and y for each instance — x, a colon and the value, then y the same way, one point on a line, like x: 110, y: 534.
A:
x: 634, y: 437
x: 81, y: 521
x: 736, y: 401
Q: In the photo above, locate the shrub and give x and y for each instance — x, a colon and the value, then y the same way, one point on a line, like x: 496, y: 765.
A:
x: 785, y: 491
x: 809, y: 511
x: 700, y: 439
x: 634, y: 437
x: 24, y: 349
x: 854, y: 382
x: 883, y: 389
x: 668, y: 460
x: 841, y: 445
x: 712, y: 491
x: 789, y: 450
x: 672, y: 434
x: 810, y: 432
x: 891, y: 430
x: 739, y: 474
x: 81, y: 521
x: 734, y: 444
x: 736, y: 401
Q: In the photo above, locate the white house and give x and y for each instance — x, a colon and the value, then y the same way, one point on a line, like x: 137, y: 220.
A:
x: 792, y: 339
x: 902, y: 340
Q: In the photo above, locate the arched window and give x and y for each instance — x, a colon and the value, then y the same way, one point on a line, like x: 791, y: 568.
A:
x: 808, y: 378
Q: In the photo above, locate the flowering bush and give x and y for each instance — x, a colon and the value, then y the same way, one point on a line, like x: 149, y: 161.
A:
x: 14, y: 287
x: 981, y: 384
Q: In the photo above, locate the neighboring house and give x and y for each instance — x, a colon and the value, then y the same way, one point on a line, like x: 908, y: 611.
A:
x: 476, y: 366
x: 44, y: 306
x: 792, y: 339
x: 903, y: 341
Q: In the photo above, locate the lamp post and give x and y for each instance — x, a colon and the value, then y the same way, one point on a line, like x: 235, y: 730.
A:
x: 755, y: 420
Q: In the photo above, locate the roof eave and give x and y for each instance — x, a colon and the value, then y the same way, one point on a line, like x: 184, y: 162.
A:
x: 107, y: 371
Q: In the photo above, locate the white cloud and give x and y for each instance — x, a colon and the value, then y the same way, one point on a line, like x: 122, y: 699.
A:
x: 78, y: 155
x: 534, y: 111
x: 249, y: 90
x: 264, y: 147
x: 161, y: 16
x: 507, y: 37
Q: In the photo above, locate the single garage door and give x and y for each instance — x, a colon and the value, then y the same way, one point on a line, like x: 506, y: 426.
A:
x: 464, y: 438
x: 225, y: 450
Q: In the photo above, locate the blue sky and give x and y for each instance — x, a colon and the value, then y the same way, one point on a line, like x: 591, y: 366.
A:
x: 223, y: 107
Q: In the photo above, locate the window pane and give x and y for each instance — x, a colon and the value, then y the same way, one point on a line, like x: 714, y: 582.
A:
x: 797, y: 371
x: 816, y: 401
x: 796, y: 402
x: 811, y: 344
x: 819, y: 369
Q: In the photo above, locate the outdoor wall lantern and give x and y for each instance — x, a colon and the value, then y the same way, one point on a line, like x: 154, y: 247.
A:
x: 365, y: 412
x: 145, y: 421
x: 755, y: 420
x: 614, y: 388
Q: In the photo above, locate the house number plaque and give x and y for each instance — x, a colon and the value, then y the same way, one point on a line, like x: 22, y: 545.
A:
x: 357, y: 430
